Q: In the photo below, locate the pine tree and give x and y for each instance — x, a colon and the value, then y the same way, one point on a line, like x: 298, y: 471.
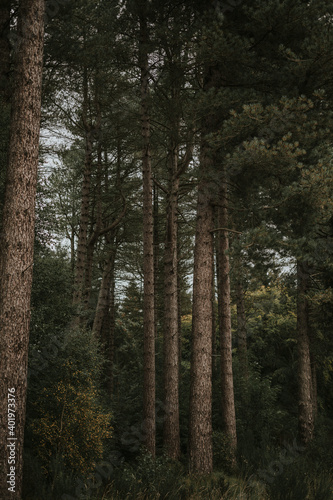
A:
x: 17, y: 243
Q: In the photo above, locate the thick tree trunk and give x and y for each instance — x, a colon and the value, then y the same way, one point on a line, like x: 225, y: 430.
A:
x: 305, y: 403
x: 17, y: 243
x: 171, y: 333
x: 227, y: 386
x: 200, y: 430
x: 148, y: 247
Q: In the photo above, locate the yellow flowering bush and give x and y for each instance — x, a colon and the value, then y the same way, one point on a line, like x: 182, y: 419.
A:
x: 70, y: 424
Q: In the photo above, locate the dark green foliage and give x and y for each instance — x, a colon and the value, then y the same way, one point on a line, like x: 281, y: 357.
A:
x: 51, y: 294
x: 66, y: 370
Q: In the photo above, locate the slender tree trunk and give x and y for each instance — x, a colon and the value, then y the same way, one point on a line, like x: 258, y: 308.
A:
x: 171, y: 333
x: 81, y: 259
x: 156, y: 242
x: 148, y: 246
x: 305, y: 402
x: 92, y: 240
x: 17, y: 242
x: 104, y: 322
x: 314, y: 386
x: 241, y: 330
x: 227, y: 386
x: 200, y: 430
x: 110, y: 326
x: 214, y: 340
x: 104, y: 293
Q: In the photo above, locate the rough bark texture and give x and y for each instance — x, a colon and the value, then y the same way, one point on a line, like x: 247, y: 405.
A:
x: 227, y: 385
x: 148, y: 247
x: 17, y: 242
x: 200, y: 430
x: 305, y: 403
x: 171, y: 333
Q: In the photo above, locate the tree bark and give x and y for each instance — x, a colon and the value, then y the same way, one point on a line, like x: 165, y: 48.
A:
x: 104, y: 322
x: 305, y: 403
x: 171, y: 332
x: 241, y: 330
x: 314, y: 387
x: 227, y: 386
x: 17, y: 242
x: 108, y: 331
x: 200, y: 425
x: 81, y: 260
x: 156, y: 244
x: 104, y: 294
x: 148, y: 245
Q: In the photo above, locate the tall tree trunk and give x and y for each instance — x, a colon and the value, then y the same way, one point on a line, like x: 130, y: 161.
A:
x: 148, y: 245
x: 81, y: 259
x: 241, y: 330
x: 200, y: 425
x: 88, y: 272
x: 104, y: 322
x: 227, y: 386
x: 156, y: 238
x: 104, y: 293
x: 109, y: 326
x: 314, y: 386
x: 17, y: 242
x: 171, y: 332
x: 305, y: 403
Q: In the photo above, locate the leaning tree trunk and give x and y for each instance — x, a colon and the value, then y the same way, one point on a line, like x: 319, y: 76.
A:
x: 200, y: 425
x: 227, y: 385
x: 148, y: 246
x: 305, y: 403
x: 171, y: 332
x: 17, y: 243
